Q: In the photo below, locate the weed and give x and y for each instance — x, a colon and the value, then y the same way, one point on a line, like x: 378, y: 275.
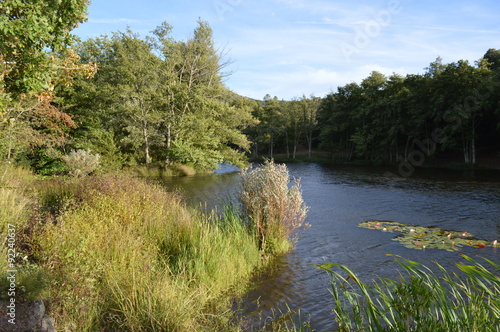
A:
x: 81, y: 162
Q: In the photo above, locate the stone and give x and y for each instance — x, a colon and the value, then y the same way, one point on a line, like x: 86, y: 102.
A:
x: 46, y: 325
x: 27, y: 317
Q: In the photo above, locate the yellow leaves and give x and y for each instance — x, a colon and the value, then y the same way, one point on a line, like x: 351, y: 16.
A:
x: 45, y: 96
x: 70, y: 66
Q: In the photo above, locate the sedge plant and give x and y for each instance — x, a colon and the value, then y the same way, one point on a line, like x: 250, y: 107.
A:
x: 422, y: 301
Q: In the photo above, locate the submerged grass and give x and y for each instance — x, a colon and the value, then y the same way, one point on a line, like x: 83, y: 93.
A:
x: 423, y: 301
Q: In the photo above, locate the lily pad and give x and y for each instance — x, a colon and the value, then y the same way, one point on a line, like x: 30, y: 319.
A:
x: 417, y: 237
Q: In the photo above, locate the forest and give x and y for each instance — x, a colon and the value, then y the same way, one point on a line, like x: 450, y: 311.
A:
x: 450, y: 111
x: 154, y: 101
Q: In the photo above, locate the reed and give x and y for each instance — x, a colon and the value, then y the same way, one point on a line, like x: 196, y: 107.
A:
x: 276, y: 212
x: 421, y: 301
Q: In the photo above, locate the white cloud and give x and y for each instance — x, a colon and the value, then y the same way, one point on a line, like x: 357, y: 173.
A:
x: 454, y: 29
x: 113, y: 20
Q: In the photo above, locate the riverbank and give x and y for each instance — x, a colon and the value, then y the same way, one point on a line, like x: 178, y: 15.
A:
x: 487, y: 160
x: 113, y: 252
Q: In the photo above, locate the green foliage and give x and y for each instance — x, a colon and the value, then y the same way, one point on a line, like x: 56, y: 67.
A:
x: 27, y: 29
x: 46, y: 162
x: 422, y: 301
x: 275, y: 211
x: 392, y: 119
x: 162, y: 101
x: 34, y: 58
x: 492, y: 56
x: 284, y: 126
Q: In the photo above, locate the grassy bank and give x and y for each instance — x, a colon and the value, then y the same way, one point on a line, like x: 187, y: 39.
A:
x: 113, y: 252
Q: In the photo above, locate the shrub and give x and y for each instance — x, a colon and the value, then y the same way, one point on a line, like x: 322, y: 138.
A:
x: 423, y: 302
x: 45, y: 161
x: 81, y: 162
x: 275, y: 211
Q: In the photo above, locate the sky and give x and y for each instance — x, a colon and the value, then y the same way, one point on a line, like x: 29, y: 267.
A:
x: 290, y: 48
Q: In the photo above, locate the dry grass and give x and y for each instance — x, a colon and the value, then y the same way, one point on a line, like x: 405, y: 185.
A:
x: 16, y: 205
x: 276, y: 211
x: 124, y: 254
x: 113, y: 252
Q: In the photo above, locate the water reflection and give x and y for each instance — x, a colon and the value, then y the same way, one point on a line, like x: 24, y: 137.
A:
x: 343, y: 196
x: 207, y: 190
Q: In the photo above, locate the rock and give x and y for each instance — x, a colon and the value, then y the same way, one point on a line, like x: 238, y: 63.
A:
x: 46, y: 325
x: 25, y: 317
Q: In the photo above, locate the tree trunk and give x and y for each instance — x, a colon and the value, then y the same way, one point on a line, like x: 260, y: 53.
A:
x: 466, y: 149
x: 473, y: 143
x: 309, y: 144
x: 406, y: 148
x: 168, y: 144
x: 146, y: 142
x: 287, y: 145
x: 473, y: 151
x: 351, y: 151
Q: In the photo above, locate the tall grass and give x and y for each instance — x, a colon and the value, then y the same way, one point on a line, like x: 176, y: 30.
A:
x: 16, y: 204
x: 115, y: 253
x: 422, y: 301
x: 14, y: 199
x: 125, y: 255
x: 275, y: 211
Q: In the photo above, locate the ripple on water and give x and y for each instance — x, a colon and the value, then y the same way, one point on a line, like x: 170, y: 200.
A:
x: 342, y: 197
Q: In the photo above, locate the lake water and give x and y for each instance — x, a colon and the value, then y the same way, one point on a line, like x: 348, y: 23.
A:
x: 340, y: 197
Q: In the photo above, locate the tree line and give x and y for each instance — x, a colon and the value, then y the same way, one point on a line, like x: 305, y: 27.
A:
x: 163, y: 102
x: 451, y: 109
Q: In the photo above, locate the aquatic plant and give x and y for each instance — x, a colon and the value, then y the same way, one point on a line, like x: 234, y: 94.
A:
x: 418, y: 237
x: 422, y: 301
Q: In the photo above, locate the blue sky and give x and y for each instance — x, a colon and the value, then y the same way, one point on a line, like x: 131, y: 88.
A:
x: 287, y: 48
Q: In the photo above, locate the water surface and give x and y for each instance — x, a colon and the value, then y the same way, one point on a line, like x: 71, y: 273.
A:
x: 341, y: 197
